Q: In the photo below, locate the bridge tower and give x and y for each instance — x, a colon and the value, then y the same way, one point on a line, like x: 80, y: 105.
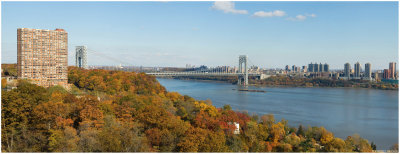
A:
x: 243, y: 72
x: 81, y: 57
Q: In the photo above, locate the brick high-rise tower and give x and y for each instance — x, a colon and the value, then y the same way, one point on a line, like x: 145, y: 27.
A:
x: 392, y: 70
x: 43, y: 56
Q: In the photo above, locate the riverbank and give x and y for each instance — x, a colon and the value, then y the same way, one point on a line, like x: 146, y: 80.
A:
x: 280, y: 81
x: 323, y: 82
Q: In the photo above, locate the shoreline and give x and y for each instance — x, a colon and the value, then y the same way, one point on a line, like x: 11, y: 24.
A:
x: 272, y: 86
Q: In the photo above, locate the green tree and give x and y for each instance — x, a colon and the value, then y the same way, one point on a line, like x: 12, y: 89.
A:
x: 65, y: 140
x: 300, y: 131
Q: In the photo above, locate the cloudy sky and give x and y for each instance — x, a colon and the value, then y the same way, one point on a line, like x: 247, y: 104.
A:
x: 272, y: 34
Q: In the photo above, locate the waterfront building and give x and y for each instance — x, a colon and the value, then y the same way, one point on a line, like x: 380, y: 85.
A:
x: 235, y: 69
x: 392, y: 70
x: 367, y: 72
x: 294, y: 68
x: 81, y: 57
x: 325, y: 74
x: 311, y: 67
x: 316, y: 67
x: 255, y: 69
x: 42, y: 56
x: 321, y: 67
x: 287, y: 68
x: 386, y: 74
x: 378, y: 75
x: 336, y: 75
x: 326, y: 68
x: 357, y: 69
x: 304, y: 68
x: 347, y: 70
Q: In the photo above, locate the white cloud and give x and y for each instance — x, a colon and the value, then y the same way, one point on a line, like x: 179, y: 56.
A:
x: 301, y: 17
x: 276, y: 13
x: 312, y: 15
x: 279, y: 13
x: 227, y: 7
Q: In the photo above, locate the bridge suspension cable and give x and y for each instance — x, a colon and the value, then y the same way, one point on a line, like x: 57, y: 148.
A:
x: 104, y: 56
x: 108, y: 57
x: 252, y: 64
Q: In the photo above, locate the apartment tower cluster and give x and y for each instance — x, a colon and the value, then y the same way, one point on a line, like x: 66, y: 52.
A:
x: 318, y: 67
x: 356, y: 73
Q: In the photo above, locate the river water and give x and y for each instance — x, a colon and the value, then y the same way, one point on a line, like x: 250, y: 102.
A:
x: 371, y: 113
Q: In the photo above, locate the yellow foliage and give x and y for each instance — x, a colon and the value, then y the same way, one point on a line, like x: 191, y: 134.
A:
x: 3, y: 83
x: 211, y: 110
x: 277, y: 132
x: 326, y: 137
x: 174, y: 96
x: 56, y: 97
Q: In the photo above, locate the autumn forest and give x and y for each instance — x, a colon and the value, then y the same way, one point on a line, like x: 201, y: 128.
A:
x: 115, y: 111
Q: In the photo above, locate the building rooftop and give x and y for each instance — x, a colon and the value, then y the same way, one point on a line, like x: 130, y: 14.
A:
x: 57, y: 29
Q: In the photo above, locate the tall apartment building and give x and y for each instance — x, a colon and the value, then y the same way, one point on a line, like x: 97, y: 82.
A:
x: 43, y: 56
x: 386, y: 74
x: 304, y: 68
x: 392, y: 70
x: 311, y: 67
x: 316, y: 67
x: 326, y: 68
x: 347, y: 70
x: 297, y: 69
x: 321, y: 67
x: 357, y: 69
x: 367, y: 72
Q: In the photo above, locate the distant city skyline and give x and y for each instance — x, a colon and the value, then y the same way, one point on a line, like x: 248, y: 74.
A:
x: 271, y: 34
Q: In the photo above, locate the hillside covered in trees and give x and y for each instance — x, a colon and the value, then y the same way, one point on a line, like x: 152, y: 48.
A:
x: 114, y: 111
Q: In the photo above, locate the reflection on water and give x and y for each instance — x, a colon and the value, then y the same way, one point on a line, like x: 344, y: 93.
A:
x: 345, y: 111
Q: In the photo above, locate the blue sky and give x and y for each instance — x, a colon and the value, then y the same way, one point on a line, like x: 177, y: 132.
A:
x: 272, y: 34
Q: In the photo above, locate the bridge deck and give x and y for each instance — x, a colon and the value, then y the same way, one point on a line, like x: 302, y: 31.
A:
x: 199, y: 74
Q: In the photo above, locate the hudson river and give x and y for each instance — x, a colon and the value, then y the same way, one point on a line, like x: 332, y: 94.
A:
x: 373, y: 114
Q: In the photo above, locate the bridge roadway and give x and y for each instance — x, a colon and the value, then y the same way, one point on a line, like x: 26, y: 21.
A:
x: 161, y: 74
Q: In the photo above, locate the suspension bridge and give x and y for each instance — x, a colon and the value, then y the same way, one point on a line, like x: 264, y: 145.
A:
x: 242, y: 72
